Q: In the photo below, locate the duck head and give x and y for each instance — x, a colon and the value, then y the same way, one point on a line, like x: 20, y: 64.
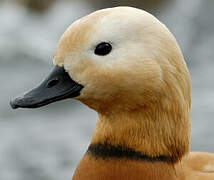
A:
x: 122, y: 61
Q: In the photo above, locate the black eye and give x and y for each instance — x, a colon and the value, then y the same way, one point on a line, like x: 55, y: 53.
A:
x: 103, y: 49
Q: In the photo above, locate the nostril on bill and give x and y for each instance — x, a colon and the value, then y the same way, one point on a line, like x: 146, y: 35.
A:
x: 52, y: 83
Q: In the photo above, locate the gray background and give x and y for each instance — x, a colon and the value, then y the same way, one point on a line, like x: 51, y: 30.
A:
x: 47, y: 143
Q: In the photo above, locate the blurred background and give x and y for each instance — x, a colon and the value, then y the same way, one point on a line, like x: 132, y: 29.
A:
x: 47, y: 143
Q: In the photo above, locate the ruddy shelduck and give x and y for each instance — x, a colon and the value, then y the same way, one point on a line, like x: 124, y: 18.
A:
x: 126, y: 65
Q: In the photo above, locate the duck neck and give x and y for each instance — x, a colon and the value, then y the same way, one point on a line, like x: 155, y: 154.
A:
x: 136, y: 144
x: 133, y: 144
x: 146, y: 134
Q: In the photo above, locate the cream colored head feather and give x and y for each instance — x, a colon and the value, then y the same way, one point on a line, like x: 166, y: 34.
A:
x: 145, y: 58
x: 145, y: 71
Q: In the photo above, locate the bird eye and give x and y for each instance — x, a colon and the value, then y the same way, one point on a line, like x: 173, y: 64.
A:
x: 103, y: 49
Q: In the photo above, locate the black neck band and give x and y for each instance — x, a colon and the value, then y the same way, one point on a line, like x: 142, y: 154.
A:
x: 109, y: 151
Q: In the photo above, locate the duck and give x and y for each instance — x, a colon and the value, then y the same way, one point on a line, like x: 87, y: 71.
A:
x: 127, y: 66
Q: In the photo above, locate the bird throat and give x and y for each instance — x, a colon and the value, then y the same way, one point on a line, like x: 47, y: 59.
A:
x: 141, y: 135
x: 131, y: 145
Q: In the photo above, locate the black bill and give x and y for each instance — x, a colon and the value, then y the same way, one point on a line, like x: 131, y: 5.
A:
x: 57, y: 86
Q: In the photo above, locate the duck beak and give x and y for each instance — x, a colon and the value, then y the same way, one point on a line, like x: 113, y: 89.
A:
x: 57, y: 86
